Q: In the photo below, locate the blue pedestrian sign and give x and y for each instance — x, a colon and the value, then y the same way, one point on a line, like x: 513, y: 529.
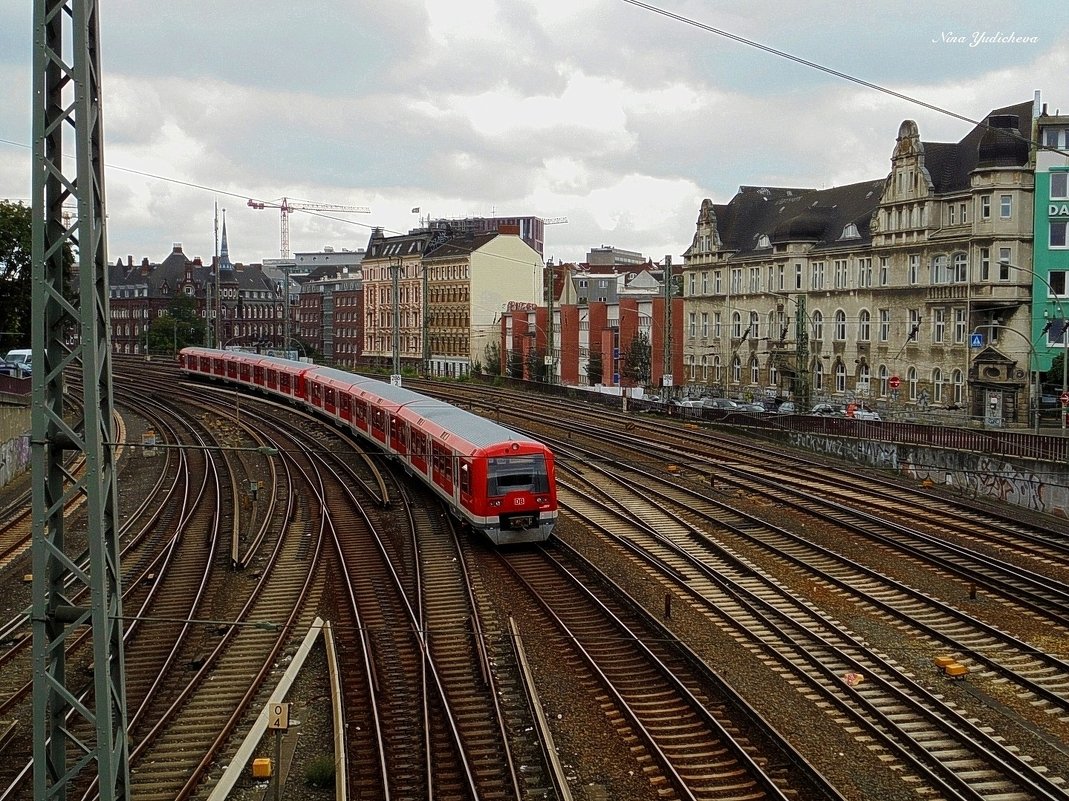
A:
x: 976, y: 340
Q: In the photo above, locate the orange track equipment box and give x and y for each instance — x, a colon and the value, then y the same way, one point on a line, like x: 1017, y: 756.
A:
x: 261, y: 768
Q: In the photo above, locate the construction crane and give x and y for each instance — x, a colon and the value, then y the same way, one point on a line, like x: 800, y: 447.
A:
x: 285, y: 206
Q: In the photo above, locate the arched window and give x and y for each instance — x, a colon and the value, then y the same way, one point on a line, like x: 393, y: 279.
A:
x: 705, y: 369
x: 961, y: 268
x: 911, y: 379
x: 957, y: 379
x: 736, y: 370
x: 840, y: 326
x: 864, y: 325
x: 690, y: 367
x: 818, y: 375
x: 937, y: 385
x: 755, y: 371
x: 818, y: 325
x: 736, y: 325
x: 862, y: 379
x: 883, y: 375
x: 755, y: 325
x: 717, y: 375
x: 840, y: 377
x: 773, y: 374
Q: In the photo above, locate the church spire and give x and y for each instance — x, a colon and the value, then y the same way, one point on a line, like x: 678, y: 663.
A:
x: 224, y: 255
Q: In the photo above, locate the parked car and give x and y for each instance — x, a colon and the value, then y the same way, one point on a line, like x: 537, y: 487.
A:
x: 751, y: 407
x: 8, y: 368
x: 719, y: 403
x: 21, y: 358
x: 787, y: 407
x: 828, y: 410
x: 866, y: 414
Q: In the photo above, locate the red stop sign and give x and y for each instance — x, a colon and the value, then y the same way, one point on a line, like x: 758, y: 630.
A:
x: 894, y: 382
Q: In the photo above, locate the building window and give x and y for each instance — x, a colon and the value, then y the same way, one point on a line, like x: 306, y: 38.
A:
x: 818, y: 376
x: 885, y: 325
x: 940, y: 273
x: 939, y: 325
x: 1057, y: 234
x: 736, y: 325
x: 840, y: 325
x: 884, y: 270
x: 705, y: 283
x: 817, y: 275
x: 1059, y: 184
x: 797, y: 275
x: 864, y: 322
x: 958, y: 381
x: 840, y: 377
x: 961, y: 269
x: 736, y: 281
x: 693, y: 324
x: 717, y: 371
x: 1005, y: 206
x: 1003, y: 264
x: 964, y: 208
x: 736, y: 370
x: 914, y: 325
x: 985, y: 264
x: 914, y: 269
x: 911, y: 380
x: 716, y: 325
x: 937, y: 385
x: 718, y: 284
x: 882, y: 377
x: 952, y: 216
x: 985, y: 207
x: 864, y: 272
x: 960, y: 324
x: 818, y: 325
x: 755, y: 325
x: 840, y: 273
x: 705, y: 325
x: 693, y: 284
x: 861, y: 382
x: 755, y: 371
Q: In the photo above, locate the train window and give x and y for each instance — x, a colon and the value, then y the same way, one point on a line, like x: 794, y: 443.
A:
x: 378, y: 420
x: 465, y: 478
x: 510, y: 473
x: 330, y: 395
x: 359, y: 410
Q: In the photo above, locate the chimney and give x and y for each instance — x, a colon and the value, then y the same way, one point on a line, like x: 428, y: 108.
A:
x: 129, y: 262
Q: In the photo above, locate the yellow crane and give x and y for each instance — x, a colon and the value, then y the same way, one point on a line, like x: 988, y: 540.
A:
x: 285, y: 206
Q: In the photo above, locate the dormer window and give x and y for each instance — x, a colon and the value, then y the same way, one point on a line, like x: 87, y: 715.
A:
x: 850, y: 232
x: 763, y: 241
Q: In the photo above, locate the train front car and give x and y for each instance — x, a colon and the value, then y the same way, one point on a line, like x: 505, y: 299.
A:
x: 518, y: 501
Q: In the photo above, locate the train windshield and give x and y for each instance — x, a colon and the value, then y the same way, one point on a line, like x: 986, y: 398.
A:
x: 511, y: 473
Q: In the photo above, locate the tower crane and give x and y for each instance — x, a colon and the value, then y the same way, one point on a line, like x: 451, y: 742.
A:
x: 285, y: 206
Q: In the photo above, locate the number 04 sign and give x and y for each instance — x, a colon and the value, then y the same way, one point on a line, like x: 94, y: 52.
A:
x: 278, y: 717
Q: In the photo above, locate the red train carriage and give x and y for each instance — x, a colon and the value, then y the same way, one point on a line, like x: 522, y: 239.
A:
x: 497, y: 481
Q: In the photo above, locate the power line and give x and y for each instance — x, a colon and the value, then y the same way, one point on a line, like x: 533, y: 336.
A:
x: 836, y: 73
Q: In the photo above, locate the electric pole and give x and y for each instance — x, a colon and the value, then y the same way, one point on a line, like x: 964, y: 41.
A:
x: 73, y: 730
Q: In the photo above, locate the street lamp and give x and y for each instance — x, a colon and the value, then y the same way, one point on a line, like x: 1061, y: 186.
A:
x: 1054, y: 298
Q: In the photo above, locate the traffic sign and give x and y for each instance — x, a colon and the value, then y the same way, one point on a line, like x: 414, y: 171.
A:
x: 1064, y: 398
x: 976, y: 340
x: 894, y: 382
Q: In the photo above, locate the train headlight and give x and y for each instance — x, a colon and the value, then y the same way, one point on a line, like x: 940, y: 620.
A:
x: 495, y: 502
x: 542, y: 499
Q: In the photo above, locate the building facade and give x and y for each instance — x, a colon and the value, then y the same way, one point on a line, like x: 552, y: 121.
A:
x: 1050, y: 289
x: 910, y: 291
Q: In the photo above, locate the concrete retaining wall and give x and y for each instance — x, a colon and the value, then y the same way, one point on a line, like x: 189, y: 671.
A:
x: 15, y: 424
x: 1041, y: 486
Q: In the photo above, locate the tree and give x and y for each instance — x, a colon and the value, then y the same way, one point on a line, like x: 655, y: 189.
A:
x: 178, y: 327
x: 492, y: 351
x: 594, y: 367
x: 638, y: 366
x: 515, y: 368
x: 16, y: 272
x: 536, y: 365
x: 16, y: 289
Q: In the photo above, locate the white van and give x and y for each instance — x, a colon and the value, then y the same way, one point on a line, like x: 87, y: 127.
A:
x: 22, y: 359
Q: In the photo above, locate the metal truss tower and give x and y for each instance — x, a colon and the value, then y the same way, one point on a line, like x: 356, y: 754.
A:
x: 74, y: 732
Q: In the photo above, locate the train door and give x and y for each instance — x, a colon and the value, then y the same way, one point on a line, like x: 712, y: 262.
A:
x: 378, y: 425
x: 285, y: 383
x: 345, y: 407
x: 258, y: 377
x: 360, y: 414
x: 231, y: 369
x: 272, y: 378
x: 464, y: 482
x: 330, y: 400
x: 245, y: 372
x: 398, y: 435
x: 442, y: 467
x: 418, y: 450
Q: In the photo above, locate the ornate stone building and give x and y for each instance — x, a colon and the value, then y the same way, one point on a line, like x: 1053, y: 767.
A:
x: 907, y: 292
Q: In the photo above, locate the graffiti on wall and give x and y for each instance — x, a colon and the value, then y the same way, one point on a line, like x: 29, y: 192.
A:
x: 14, y: 458
x: 1032, y: 485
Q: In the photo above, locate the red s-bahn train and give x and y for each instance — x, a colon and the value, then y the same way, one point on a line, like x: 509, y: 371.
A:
x: 498, y: 482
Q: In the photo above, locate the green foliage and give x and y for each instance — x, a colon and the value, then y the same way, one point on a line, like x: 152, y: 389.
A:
x: 15, y: 266
x: 320, y: 772
x: 638, y: 366
x: 493, y: 358
x: 594, y: 367
x: 178, y: 327
x: 515, y: 363
x: 536, y: 365
x: 1054, y: 374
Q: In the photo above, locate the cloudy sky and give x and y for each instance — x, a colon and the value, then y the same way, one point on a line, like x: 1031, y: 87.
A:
x: 607, y: 113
